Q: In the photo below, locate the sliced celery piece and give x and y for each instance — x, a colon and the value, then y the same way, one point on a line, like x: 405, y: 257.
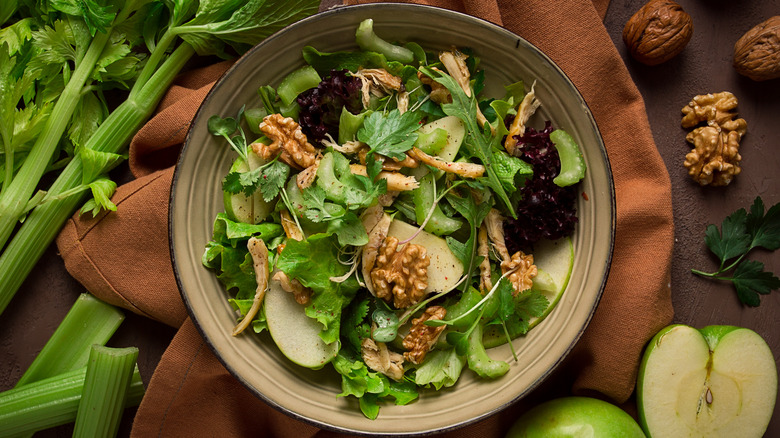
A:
x: 369, y: 41
x: 51, y: 402
x: 297, y: 82
x: 106, y: 383
x: 572, y: 162
x: 90, y: 321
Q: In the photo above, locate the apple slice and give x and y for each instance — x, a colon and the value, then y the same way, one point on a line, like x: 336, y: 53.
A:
x: 248, y: 209
x: 445, y: 269
x: 456, y: 131
x: 554, y: 259
x: 575, y: 417
x: 296, y: 335
x: 720, y: 381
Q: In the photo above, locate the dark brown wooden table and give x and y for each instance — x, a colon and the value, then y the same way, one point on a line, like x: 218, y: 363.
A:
x: 703, y: 67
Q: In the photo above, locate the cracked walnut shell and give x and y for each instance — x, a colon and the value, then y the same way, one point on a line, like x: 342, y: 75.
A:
x: 715, y: 159
x: 400, y: 275
x: 757, y: 53
x: 658, y: 32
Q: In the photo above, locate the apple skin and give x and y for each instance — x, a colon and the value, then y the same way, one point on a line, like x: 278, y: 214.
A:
x: 580, y: 417
x: 742, y: 383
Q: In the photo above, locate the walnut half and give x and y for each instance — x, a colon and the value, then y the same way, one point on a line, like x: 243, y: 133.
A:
x: 400, y: 275
x: 421, y: 337
x: 715, y: 158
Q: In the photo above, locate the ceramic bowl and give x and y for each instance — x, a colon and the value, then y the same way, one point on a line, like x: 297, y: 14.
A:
x: 311, y: 396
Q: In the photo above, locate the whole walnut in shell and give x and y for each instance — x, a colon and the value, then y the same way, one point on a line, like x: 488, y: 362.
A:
x: 757, y: 53
x: 658, y: 32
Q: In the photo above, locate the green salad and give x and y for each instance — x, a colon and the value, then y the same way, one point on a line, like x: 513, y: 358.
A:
x: 385, y: 219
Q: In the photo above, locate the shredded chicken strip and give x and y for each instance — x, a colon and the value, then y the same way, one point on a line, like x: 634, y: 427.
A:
x: 483, y: 250
x: 455, y: 63
x: 301, y: 292
x: 467, y: 170
x: 376, y: 236
x: 495, y: 230
x: 527, y: 108
x: 395, y: 181
x: 259, y: 253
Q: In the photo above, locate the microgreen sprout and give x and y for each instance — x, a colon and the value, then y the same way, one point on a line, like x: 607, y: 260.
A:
x: 226, y: 128
x: 439, y: 322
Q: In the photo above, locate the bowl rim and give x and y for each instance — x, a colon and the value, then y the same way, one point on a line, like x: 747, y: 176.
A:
x: 324, y: 15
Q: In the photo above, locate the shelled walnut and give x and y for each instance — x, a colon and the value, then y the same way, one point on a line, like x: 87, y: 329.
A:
x: 757, y: 53
x: 400, y: 275
x: 657, y: 32
x: 715, y: 159
x: 288, y: 139
x: 422, y: 337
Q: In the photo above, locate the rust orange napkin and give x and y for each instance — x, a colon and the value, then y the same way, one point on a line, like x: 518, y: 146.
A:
x: 123, y: 257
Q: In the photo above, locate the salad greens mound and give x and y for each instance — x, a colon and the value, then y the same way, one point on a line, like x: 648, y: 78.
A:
x: 384, y: 217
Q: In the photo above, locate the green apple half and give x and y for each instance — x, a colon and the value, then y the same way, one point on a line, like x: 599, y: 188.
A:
x: 719, y: 381
x: 575, y: 417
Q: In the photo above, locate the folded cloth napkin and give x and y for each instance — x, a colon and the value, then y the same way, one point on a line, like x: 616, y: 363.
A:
x: 122, y: 257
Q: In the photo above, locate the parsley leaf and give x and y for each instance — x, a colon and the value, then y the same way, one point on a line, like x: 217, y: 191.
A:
x: 392, y: 134
x: 739, y: 233
x: 731, y: 240
x: 269, y: 179
x: 750, y: 279
x: 764, y: 229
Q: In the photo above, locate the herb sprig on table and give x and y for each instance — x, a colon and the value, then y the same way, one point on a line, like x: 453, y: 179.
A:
x: 741, y: 232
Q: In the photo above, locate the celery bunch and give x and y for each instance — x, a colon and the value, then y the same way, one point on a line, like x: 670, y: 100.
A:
x: 57, y: 60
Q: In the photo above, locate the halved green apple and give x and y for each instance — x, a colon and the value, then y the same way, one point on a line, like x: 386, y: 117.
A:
x: 296, y: 335
x: 248, y: 209
x: 719, y: 381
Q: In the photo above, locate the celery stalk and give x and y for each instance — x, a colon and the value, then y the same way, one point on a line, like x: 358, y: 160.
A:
x: 14, y: 197
x: 105, y: 386
x: 90, y: 321
x: 51, y: 402
x: 46, y: 220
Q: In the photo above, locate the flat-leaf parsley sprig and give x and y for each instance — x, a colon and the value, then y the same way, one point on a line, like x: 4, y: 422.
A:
x: 739, y: 233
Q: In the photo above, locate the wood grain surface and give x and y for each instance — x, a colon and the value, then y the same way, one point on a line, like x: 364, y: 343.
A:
x: 703, y: 67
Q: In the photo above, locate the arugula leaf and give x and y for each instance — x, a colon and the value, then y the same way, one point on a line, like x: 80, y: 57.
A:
x: 392, y: 134
x: 479, y: 141
x: 739, y: 233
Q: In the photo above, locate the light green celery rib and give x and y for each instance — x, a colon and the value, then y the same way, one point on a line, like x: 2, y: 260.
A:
x: 15, y: 195
x: 51, y: 402
x: 45, y: 221
x: 105, y: 386
x: 89, y: 321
